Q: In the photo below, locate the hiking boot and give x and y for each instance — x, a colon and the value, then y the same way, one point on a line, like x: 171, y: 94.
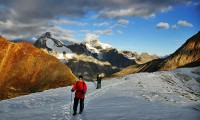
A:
x: 74, y: 114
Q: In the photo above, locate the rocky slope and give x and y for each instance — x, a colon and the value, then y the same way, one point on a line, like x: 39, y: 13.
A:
x: 25, y: 69
x: 89, y: 57
x: 118, y: 59
x: 96, y: 57
x: 89, y: 67
x: 140, y: 58
x: 188, y: 55
x: 93, y: 48
x: 105, y: 52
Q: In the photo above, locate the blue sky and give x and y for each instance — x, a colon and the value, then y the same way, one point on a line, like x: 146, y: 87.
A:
x: 156, y: 26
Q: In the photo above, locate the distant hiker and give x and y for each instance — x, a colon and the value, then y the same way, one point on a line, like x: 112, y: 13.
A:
x: 98, y: 81
x: 81, y: 88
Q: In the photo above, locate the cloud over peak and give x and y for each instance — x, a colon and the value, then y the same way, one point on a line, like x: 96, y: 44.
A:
x: 29, y: 18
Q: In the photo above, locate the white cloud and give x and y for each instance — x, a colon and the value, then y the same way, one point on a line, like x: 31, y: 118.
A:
x: 117, y: 13
x: 63, y: 34
x: 101, y: 24
x: 127, y: 12
x: 184, y: 23
x: 175, y: 27
x: 96, y: 34
x: 143, y: 9
x: 14, y: 30
x: 109, y: 31
x: 119, y: 31
x: 162, y: 25
x: 165, y: 9
x: 27, y: 16
x: 59, y: 22
x: 122, y: 22
x: 91, y: 36
x: 104, y: 32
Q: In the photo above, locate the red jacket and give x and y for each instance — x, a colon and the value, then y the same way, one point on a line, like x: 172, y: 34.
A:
x: 81, y: 88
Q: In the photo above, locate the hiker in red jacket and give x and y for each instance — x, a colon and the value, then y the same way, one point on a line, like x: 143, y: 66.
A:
x: 81, y: 88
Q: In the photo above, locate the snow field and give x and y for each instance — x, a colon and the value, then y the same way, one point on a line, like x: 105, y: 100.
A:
x: 142, y: 96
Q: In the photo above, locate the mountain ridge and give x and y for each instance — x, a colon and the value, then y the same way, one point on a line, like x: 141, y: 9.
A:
x: 105, y: 54
x: 188, y: 55
x: 25, y: 69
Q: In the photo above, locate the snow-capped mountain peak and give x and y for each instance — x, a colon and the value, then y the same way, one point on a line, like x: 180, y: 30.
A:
x: 96, y: 47
x: 54, y: 46
x: 97, y: 43
x: 48, y: 36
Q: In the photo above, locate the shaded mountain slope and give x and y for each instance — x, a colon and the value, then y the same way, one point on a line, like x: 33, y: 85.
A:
x: 189, y: 52
x: 89, y: 67
x: 25, y: 69
x: 188, y: 55
x: 140, y: 58
x: 88, y: 58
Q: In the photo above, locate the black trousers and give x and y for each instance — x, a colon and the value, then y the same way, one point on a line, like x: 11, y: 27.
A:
x: 98, y: 85
x: 76, y: 100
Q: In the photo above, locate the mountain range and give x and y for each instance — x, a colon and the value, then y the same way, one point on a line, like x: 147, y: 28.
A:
x: 90, y: 57
x: 26, y: 69
x: 188, y: 55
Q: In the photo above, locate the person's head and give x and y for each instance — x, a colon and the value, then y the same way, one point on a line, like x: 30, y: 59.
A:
x: 98, y: 75
x: 80, y: 77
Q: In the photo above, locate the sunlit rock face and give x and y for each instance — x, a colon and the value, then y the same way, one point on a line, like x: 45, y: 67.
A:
x: 26, y: 69
x: 188, y: 55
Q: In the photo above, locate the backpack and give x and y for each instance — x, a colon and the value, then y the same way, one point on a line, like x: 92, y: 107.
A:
x: 82, y: 90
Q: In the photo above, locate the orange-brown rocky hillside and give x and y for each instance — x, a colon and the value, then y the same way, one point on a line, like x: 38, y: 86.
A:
x: 25, y: 69
x: 188, y: 55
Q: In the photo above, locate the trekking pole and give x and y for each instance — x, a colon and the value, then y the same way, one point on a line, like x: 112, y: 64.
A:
x: 71, y: 105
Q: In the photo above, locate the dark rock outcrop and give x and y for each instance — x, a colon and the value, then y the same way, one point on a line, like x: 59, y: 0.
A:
x: 117, y: 59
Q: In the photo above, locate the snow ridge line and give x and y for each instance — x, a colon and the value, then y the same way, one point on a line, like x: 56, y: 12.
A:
x: 171, y: 87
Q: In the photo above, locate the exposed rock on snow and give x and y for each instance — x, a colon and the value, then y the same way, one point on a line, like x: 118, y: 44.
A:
x: 51, y: 44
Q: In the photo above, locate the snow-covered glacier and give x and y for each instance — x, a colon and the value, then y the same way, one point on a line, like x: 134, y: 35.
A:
x: 164, y: 95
